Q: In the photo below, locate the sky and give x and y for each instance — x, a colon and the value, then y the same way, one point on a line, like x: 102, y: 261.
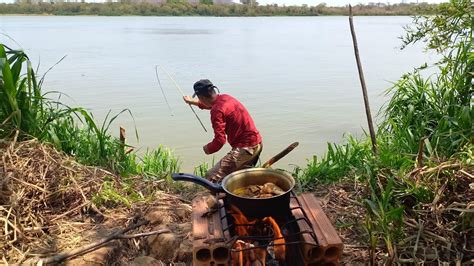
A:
x: 308, y: 2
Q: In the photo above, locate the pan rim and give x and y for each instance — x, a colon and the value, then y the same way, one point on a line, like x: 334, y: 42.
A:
x: 283, y: 172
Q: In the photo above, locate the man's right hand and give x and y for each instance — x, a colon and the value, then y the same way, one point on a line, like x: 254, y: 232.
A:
x: 189, y: 100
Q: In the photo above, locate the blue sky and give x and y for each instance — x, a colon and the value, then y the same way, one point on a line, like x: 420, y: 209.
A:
x: 308, y: 2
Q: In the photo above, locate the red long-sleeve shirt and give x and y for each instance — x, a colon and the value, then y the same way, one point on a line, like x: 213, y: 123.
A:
x: 229, y: 117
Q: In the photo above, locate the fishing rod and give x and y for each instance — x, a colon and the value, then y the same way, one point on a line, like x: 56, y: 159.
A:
x: 181, y: 91
x: 162, y: 91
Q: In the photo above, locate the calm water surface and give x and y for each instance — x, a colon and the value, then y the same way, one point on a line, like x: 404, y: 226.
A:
x: 297, y: 76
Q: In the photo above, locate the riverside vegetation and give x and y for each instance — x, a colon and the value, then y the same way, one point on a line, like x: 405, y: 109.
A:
x: 183, y: 8
x: 415, y: 195
x: 421, y: 181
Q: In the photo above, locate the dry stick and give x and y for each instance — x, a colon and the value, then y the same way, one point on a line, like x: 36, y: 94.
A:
x: 466, y: 173
x: 419, y: 157
x: 420, y: 229
x: 70, y: 211
x: 362, y: 83
x: 431, y: 234
x: 93, y: 246
x: 145, y: 234
x: 182, y: 93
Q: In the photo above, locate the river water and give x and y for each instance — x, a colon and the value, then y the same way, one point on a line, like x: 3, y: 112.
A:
x: 296, y: 75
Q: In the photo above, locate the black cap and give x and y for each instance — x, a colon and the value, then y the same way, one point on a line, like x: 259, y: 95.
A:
x: 202, y: 86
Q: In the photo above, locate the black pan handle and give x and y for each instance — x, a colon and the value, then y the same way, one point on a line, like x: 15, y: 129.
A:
x: 216, y: 188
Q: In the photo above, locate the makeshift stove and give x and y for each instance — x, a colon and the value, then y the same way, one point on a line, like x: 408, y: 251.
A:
x: 303, y: 236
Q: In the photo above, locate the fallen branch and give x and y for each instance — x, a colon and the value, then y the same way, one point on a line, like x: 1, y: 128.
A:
x: 93, y: 246
x: 467, y: 174
x: 433, y: 235
x: 70, y: 211
x: 145, y: 234
x: 440, y: 168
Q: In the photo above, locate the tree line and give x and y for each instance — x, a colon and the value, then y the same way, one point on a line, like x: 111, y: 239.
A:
x: 206, y: 8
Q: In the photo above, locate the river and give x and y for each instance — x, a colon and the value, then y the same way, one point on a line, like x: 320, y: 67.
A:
x: 296, y: 75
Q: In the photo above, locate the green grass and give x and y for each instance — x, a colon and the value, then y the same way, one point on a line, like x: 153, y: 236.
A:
x: 339, y: 161
x: 112, y: 196
x: 158, y: 163
x: 435, y: 110
x: 426, y: 122
x: 26, y: 109
x: 202, y: 169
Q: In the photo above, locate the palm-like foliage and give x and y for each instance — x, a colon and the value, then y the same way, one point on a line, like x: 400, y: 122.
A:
x: 24, y: 108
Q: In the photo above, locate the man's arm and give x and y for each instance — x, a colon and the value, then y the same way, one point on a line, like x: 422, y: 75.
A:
x: 195, y: 102
x: 218, y: 123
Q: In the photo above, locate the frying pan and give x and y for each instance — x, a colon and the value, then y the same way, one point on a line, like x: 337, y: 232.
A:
x: 251, y: 207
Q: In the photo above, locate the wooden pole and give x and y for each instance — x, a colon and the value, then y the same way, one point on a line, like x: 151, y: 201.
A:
x: 122, y: 138
x: 122, y: 135
x: 362, y: 83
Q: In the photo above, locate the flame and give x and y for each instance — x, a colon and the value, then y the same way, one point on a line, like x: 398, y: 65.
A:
x: 279, y: 242
x: 238, y: 259
x: 254, y: 256
x: 249, y: 257
x: 240, y: 218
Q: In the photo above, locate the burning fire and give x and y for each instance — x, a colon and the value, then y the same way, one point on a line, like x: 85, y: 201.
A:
x: 248, y: 254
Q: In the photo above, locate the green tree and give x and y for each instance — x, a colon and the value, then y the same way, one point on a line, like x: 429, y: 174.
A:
x: 176, y: 1
x: 249, y: 2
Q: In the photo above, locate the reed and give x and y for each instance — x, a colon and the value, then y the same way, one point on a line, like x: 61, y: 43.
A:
x: 425, y: 147
x: 158, y: 163
x: 26, y: 109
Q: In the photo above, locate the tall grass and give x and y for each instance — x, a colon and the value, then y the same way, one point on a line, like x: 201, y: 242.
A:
x: 435, y: 110
x: 427, y: 121
x: 340, y: 160
x: 26, y: 109
x: 158, y: 163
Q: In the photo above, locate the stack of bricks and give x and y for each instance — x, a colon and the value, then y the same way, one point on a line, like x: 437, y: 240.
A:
x: 328, y: 249
x: 209, y: 244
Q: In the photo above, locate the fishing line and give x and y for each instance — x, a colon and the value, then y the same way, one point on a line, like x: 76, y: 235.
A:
x: 182, y: 93
x: 163, y: 91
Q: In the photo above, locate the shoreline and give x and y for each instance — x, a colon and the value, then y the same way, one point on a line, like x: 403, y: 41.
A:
x: 127, y: 15
x: 211, y: 10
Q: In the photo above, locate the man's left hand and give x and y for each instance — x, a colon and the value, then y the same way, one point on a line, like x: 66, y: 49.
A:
x: 204, y: 148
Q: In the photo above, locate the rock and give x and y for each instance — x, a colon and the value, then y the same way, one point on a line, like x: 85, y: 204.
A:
x: 185, y: 227
x: 185, y: 252
x: 146, y: 260
x: 164, y: 246
x: 183, y: 212
x: 157, y: 216
x: 103, y: 256
x: 171, y: 247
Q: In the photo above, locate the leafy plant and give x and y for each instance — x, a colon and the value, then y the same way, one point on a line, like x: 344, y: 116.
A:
x: 203, y: 168
x: 26, y: 109
x: 112, y: 196
x: 339, y: 161
x: 384, y: 215
x: 158, y: 163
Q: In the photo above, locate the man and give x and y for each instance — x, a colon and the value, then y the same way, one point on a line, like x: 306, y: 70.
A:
x: 231, y: 121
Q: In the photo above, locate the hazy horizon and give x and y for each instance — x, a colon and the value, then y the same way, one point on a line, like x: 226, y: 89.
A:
x: 304, y: 2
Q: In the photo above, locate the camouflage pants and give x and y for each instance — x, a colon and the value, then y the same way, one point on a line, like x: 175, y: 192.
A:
x: 236, y: 159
